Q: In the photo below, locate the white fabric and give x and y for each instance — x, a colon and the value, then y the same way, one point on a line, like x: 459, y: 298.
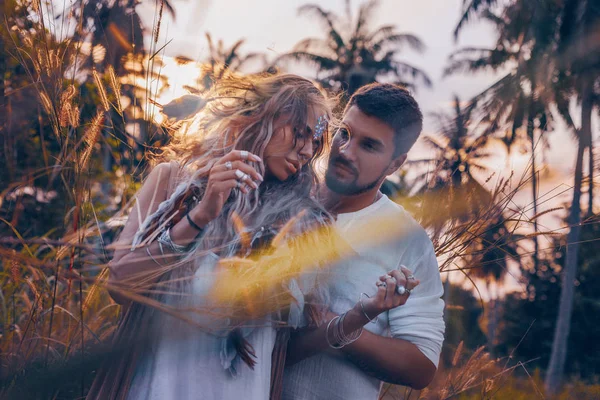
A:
x: 186, y: 361
x: 331, y: 376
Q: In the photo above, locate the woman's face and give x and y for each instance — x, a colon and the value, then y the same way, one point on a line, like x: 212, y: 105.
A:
x: 291, y: 147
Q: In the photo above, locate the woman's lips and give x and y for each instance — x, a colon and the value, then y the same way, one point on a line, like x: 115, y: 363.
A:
x: 292, y: 167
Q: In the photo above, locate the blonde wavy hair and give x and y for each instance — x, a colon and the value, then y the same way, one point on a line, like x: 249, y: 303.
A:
x: 240, y: 112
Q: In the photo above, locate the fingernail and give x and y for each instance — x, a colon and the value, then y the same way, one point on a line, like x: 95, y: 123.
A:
x: 260, y: 177
x: 256, y: 158
x: 255, y: 185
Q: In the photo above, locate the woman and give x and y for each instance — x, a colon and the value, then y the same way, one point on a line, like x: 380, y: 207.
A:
x: 249, y: 160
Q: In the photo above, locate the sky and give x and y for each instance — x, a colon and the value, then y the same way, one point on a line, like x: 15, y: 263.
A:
x: 273, y: 27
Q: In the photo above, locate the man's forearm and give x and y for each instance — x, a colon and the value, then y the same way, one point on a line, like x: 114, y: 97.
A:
x: 391, y: 360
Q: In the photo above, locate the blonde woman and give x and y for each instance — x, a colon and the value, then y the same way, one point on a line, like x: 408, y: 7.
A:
x: 249, y: 157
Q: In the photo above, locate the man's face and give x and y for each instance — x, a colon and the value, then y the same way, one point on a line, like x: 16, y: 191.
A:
x: 362, y: 154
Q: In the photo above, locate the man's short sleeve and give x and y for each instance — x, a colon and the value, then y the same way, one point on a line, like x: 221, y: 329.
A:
x: 421, y: 320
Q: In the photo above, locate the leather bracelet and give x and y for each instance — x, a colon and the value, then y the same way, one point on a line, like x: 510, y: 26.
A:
x: 193, y: 224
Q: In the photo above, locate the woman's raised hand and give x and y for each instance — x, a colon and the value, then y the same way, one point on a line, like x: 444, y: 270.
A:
x: 393, y: 290
x: 230, y: 172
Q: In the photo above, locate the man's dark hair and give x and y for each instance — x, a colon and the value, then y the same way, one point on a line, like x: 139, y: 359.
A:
x: 394, y: 105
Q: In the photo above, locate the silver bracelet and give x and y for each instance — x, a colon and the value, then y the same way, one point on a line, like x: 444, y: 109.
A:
x: 341, y: 336
x: 165, y: 238
x: 362, y: 307
x: 333, y: 346
x: 152, y: 257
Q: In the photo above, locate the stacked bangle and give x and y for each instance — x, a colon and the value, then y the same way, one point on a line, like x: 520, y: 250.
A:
x: 340, y: 337
x: 165, y: 239
x: 362, y: 307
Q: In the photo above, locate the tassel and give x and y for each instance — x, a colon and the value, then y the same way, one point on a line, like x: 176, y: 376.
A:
x: 243, y: 348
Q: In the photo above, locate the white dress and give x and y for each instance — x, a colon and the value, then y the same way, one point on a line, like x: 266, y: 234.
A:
x: 186, y: 362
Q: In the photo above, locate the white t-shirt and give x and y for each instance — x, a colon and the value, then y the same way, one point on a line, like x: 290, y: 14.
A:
x: 382, y: 236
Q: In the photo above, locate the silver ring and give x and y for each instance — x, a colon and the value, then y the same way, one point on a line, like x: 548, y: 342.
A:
x: 381, y: 284
x: 410, y: 277
x: 239, y: 174
x: 244, y: 154
x: 228, y: 165
x: 401, y: 290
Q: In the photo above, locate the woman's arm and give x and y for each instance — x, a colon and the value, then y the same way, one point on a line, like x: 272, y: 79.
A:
x: 135, y: 267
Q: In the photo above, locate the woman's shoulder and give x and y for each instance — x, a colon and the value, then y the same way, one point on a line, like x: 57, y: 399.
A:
x: 168, y: 174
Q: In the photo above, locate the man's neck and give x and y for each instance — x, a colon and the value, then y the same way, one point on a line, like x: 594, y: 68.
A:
x: 340, y: 204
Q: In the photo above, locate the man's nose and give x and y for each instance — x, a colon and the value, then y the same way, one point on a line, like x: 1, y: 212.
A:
x: 348, y: 150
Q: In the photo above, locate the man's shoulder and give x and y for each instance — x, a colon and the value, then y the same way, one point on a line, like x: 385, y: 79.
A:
x: 414, y: 230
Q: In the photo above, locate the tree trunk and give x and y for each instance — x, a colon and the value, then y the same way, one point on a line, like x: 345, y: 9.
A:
x: 558, y: 356
x: 492, y: 324
x: 534, y: 182
x: 590, y: 208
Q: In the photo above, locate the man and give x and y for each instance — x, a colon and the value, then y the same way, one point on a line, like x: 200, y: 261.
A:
x: 396, y: 279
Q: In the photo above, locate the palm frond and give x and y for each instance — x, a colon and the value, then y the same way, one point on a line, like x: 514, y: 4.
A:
x: 469, y: 11
x: 327, y: 19
x: 400, y: 39
x: 403, y: 69
x: 322, y: 62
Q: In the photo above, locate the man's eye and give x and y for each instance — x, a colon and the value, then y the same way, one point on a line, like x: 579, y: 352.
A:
x: 368, y: 146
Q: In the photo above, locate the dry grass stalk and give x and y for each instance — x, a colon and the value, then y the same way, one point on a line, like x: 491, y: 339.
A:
x: 101, y: 90
x: 160, y: 15
x: 116, y: 88
x: 90, y: 137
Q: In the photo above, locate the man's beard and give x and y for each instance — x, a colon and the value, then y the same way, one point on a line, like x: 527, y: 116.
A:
x: 350, y: 188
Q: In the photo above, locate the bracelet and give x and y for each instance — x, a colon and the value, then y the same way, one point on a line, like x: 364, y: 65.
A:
x: 362, y: 307
x: 152, y: 257
x: 165, y: 238
x: 341, y: 336
x: 333, y: 346
x: 193, y: 224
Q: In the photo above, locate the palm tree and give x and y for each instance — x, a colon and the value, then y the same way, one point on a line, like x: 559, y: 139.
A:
x: 458, y: 153
x: 578, y: 56
x: 523, y: 96
x: 222, y: 61
x: 568, y: 66
x: 352, y: 54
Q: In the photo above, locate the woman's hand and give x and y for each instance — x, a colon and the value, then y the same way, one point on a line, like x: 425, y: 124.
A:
x: 389, y: 291
x: 230, y: 172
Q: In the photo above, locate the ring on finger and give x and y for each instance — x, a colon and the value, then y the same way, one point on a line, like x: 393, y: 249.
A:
x: 240, y: 175
x: 244, y: 154
x: 229, y: 165
x: 381, y: 284
x: 401, y: 290
x: 411, y: 276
